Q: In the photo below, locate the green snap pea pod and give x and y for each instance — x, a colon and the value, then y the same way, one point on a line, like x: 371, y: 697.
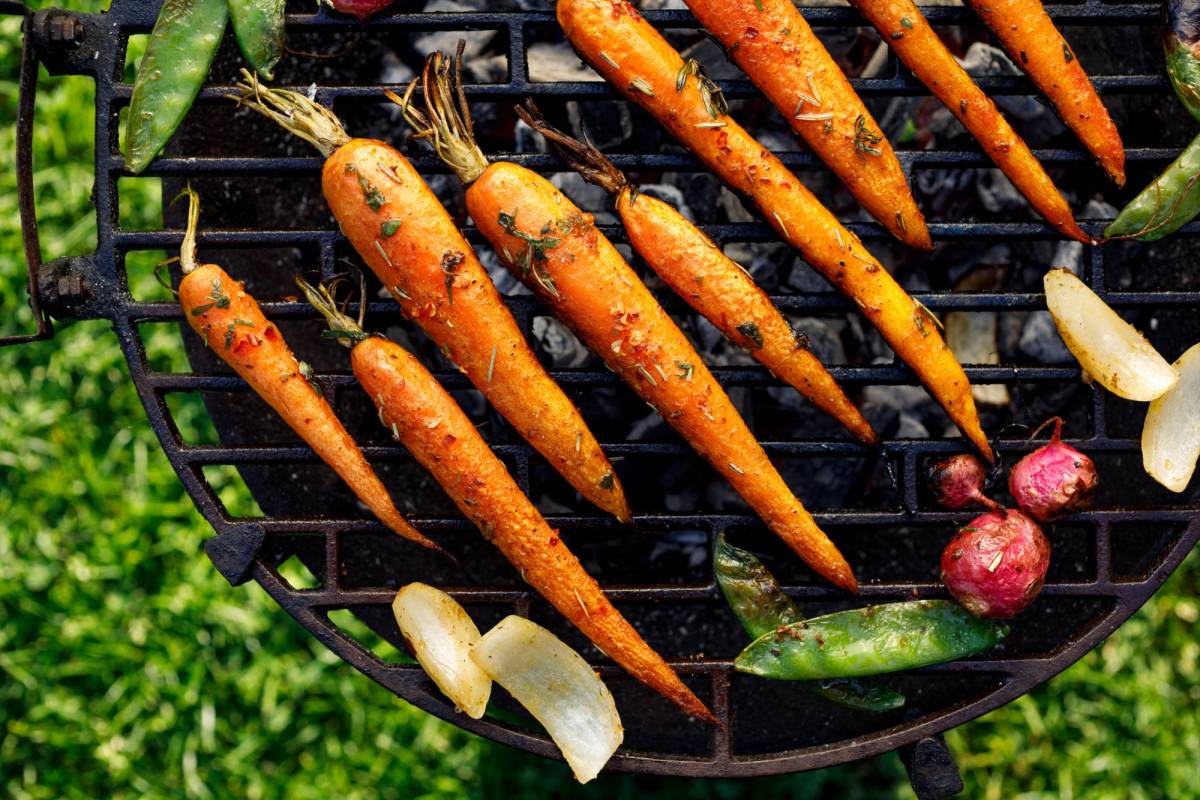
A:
x: 180, y: 51
x: 1166, y: 205
x: 761, y: 606
x: 258, y: 25
x: 869, y: 641
x: 1181, y: 42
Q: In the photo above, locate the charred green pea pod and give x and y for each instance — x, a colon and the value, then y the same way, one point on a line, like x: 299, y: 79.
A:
x: 761, y: 606
x: 1181, y: 42
x: 1164, y: 206
x: 258, y: 25
x: 869, y: 641
x: 180, y: 51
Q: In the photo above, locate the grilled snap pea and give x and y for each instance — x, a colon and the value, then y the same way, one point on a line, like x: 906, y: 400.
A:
x: 869, y: 641
x: 761, y: 606
x: 1181, y: 42
x: 258, y: 25
x: 180, y: 51
x: 1166, y: 205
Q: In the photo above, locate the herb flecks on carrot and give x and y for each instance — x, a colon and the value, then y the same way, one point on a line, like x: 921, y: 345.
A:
x: 748, y: 167
x: 778, y: 50
x: 923, y: 52
x: 411, y: 243
x: 427, y: 420
x: 697, y: 270
x: 230, y: 321
x: 603, y: 301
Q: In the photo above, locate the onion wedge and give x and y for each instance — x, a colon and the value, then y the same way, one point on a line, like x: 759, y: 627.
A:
x: 558, y: 688
x: 1108, y: 348
x: 1171, y: 435
x: 441, y: 636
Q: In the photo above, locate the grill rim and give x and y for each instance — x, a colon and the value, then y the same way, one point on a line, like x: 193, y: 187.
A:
x: 113, y: 302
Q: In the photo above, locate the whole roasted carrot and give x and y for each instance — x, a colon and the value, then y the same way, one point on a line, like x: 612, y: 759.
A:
x: 1029, y: 36
x: 907, y: 32
x: 625, y: 49
x: 424, y: 417
x: 232, y: 324
x: 410, y: 242
x: 556, y: 250
x: 777, y: 49
x: 694, y: 266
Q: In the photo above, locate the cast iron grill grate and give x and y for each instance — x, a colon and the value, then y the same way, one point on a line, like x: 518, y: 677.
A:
x: 264, y: 220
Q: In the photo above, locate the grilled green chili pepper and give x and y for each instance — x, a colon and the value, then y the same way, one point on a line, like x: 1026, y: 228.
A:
x: 258, y: 25
x: 761, y: 606
x: 1166, y: 205
x: 1181, y: 42
x: 180, y: 51
x: 869, y: 641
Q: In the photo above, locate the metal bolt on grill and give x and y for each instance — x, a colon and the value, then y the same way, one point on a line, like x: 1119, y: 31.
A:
x: 264, y: 219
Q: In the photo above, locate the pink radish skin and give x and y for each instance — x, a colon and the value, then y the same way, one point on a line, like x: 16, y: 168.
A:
x: 1053, y: 481
x: 957, y: 482
x: 995, y: 566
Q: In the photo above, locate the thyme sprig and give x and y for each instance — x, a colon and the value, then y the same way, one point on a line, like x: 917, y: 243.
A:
x: 865, y: 139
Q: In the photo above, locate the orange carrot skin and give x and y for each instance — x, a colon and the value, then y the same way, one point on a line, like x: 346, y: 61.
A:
x: 696, y: 269
x: 442, y: 438
x: 1029, y: 36
x: 923, y: 52
x: 411, y: 243
x: 777, y: 49
x: 596, y: 293
x: 614, y: 28
x: 232, y: 324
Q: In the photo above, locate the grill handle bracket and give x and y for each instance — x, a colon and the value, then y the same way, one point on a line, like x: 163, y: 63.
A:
x: 233, y: 551
x: 931, y: 769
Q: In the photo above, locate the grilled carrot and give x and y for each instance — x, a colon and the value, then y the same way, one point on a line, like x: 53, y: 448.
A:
x: 556, y: 250
x: 694, y: 266
x: 624, y: 48
x: 410, y: 242
x: 424, y: 417
x: 1029, y: 36
x: 232, y: 324
x: 774, y: 45
x: 918, y: 46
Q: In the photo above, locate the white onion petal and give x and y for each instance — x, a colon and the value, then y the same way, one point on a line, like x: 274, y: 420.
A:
x: 1171, y: 435
x: 1108, y: 348
x: 441, y: 635
x: 558, y: 688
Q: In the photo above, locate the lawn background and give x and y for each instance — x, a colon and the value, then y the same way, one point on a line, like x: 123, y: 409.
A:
x: 129, y: 668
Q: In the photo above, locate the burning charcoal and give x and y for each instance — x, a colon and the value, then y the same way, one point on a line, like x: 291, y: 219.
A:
x: 711, y: 56
x: 587, y: 196
x: 607, y: 124
x: 549, y: 62
x: 668, y: 194
x: 558, y: 343
x: 731, y: 204
x: 1037, y: 121
x: 805, y: 279
x: 972, y: 336
x: 488, y: 69
x: 693, y: 544
x: 899, y: 410
x: 824, y: 338
x: 651, y: 426
x: 447, y: 41
x: 998, y: 195
x: 505, y: 282
x: 703, y: 191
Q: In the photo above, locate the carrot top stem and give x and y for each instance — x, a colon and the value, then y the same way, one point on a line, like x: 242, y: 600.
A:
x: 582, y: 156
x: 187, y: 250
x: 307, y: 119
x: 446, y: 120
x: 341, y: 327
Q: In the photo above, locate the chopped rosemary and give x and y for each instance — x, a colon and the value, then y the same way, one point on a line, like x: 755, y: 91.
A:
x: 736, y: 468
x: 307, y: 373
x: 900, y: 222
x: 389, y: 227
x: 395, y: 432
x: 646, y: 374
x: 607, y: 482
x: 682, y: 75
x: 838, y: 235
x: 685, y: 370
x: 813, y: 117
x: 906, y: 22
x: 661, y: 372
x: 865, y: 139
x: 710, y: 124
x: 578, y: 441
x: 403, y: 295
x: 919, y: 319
x: 640, y: 84
x: 751, y: 332
x: 382, y: 253
x: 782, y: 225
x: 609, y: 60
x: 492, y: 365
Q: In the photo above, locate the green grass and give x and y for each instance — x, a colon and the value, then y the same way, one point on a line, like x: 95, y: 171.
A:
x: 129, y: 668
